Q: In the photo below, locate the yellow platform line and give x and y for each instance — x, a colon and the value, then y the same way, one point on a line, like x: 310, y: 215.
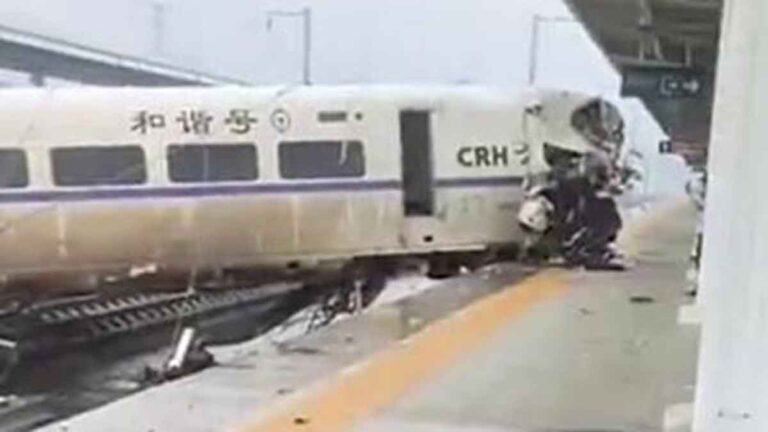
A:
x: 358, y: 392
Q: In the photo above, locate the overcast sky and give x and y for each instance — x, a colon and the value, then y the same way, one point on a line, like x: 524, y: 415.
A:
x: 354, y: 41
x: 484, y: 41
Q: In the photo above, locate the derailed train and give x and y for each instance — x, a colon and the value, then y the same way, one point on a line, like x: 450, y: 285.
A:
x: 112, y: 183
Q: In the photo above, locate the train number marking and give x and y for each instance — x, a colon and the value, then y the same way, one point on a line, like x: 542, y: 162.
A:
x: 483, y: 156
x: 195, y: 121
x: 238, y: 121
x: 143, y: 121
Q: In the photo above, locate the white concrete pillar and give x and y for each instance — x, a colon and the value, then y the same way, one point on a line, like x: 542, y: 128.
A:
x: 732, y: 392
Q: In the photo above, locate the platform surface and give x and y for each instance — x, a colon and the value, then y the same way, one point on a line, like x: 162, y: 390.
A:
x: 589, y: 360
x: 499, y: 350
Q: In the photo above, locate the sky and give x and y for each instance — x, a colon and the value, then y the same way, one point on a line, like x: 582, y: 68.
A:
x: 486, y: 42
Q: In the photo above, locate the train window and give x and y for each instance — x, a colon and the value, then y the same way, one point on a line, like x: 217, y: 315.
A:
x: 13, y: 169
x: 599, y: 122
x: 92, y: 166
x: 196, y: 163
x: 332, y: 116
x: 321, y: 159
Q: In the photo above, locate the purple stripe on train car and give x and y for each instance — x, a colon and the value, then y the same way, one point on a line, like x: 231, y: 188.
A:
x: 139, y: 192
x: 461, y: 182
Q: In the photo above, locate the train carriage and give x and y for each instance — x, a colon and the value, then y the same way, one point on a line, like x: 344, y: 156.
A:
x: 102, y: 182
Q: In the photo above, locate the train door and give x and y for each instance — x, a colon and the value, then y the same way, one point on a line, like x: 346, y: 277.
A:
x: 417, y: 177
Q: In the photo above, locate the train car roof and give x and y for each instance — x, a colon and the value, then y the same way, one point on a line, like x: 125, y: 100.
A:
x: 382, y: 93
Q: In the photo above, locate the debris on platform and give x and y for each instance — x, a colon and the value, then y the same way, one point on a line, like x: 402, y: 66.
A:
x: 642, y: 299
x: 8, y: 400
x: 300, y: 420
x: 9, y: 357
x: 190, y: 355
x: 285, y: 348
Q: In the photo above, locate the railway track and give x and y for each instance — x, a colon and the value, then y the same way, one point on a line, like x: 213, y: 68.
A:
x: 71, y: 355
x: 45, y: 328
x: 65, y: 356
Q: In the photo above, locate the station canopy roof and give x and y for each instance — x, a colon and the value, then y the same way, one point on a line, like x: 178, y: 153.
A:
x: 45, y: 56
x: 647, y: 40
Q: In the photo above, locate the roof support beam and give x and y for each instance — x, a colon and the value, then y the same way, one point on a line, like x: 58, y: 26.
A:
x: 36, y: 54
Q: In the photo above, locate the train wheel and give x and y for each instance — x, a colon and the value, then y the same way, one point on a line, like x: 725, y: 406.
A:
x: 443, y: 266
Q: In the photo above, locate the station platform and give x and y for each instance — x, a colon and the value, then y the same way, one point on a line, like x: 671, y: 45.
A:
x: 505, y: 349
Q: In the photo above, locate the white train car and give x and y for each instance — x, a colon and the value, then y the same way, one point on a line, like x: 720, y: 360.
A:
x: 102, y: 182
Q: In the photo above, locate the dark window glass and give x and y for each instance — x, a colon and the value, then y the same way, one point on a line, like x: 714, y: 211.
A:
x: 600, y: 122
x: 321, y: 159
x: 13, y: 169
x: 193, y: 163
x: 92, y: 166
